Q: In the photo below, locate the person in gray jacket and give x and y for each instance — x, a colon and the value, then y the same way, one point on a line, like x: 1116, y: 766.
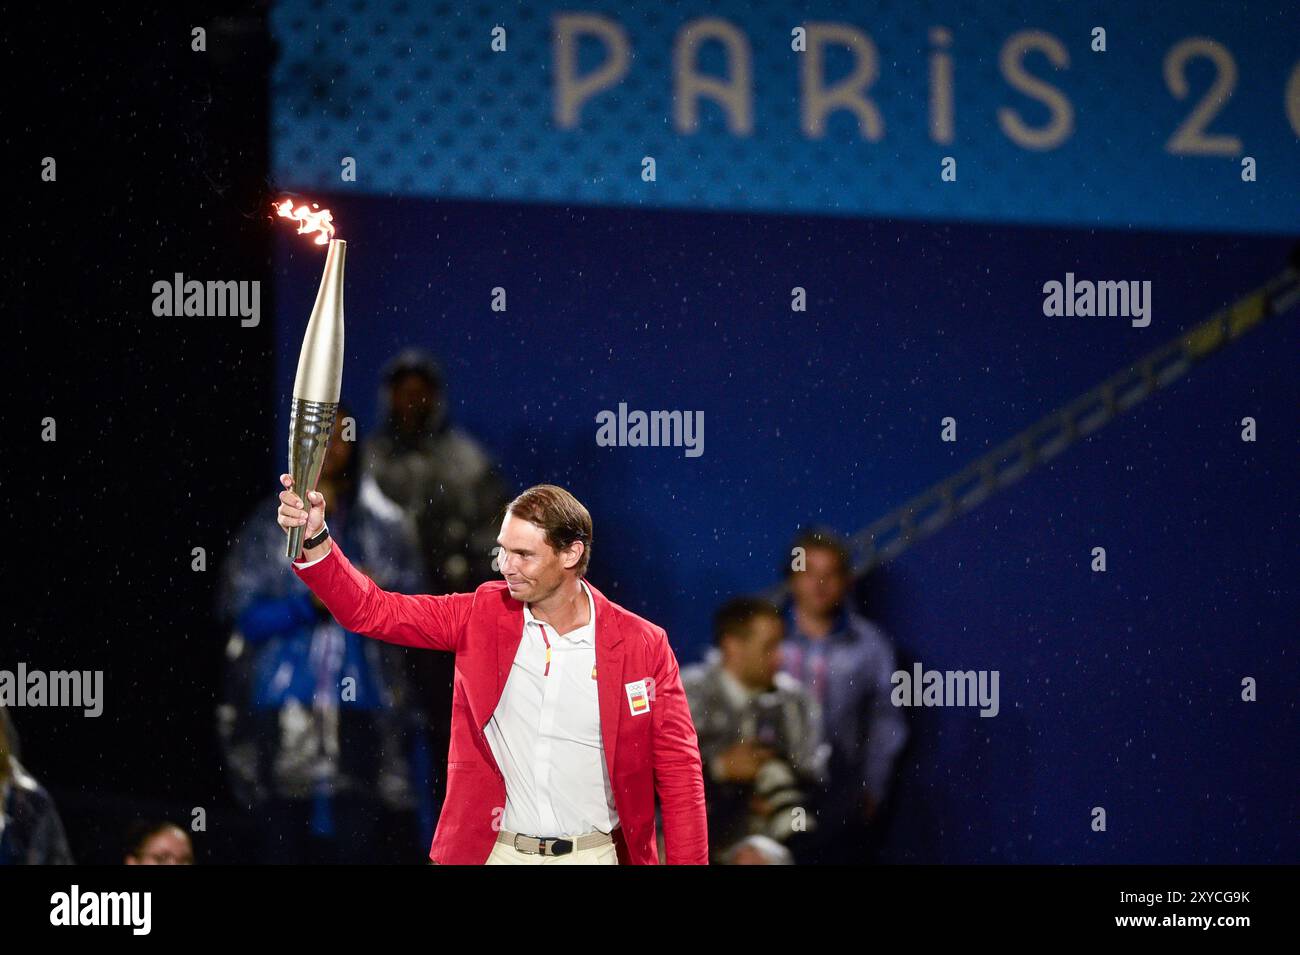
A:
x: 451, y: 492
x: 440, y: 476
x: 759, y: 734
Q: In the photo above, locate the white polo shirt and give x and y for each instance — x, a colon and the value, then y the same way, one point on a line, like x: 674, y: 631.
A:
x: 546, y: 736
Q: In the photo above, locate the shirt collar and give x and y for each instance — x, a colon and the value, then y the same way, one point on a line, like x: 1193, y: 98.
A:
x: 839, y: 629
x: 583, y: 635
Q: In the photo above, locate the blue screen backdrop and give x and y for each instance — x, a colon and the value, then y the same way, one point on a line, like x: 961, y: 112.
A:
x: 1119, y: 690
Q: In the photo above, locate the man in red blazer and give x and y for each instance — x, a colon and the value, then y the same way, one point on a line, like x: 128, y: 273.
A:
x: 568, y: 713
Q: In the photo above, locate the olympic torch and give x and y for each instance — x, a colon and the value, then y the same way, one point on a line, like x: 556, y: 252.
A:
x: 317, y: 385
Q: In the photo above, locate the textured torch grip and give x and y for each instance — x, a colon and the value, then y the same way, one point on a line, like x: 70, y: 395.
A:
x: 310, y: 424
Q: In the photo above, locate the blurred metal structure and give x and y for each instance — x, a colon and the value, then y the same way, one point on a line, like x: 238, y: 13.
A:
x: 935, y: 508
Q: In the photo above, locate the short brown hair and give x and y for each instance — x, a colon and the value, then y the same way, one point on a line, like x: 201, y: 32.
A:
x: 560, y: 515
x: 733, y: 618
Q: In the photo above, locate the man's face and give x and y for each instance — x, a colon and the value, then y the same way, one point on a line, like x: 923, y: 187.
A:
x: 754, y: 656
x: 822, y: 586
x: 412, y: 397
x: 532, y: 568
x: 169, y: 847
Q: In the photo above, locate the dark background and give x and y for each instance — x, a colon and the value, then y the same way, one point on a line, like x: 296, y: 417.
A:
x: 1120, y: 690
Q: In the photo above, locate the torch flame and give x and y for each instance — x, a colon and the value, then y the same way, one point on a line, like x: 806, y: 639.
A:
x: 308, y: 220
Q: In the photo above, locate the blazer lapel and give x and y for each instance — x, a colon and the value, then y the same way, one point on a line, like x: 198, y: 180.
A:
x: 609, y: 674
x: 485, y: 694
x: 510, y: 633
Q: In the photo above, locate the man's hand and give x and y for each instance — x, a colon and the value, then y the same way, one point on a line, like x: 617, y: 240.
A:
x: 740, y: 763
x: 292, y: 514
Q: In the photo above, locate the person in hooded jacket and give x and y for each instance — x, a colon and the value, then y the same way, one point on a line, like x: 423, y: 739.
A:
x: 440, y: 476
x: 319, y: 726
x: 451, y: 491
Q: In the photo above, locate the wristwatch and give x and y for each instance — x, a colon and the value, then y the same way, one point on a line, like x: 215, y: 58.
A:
x: 319, y: 539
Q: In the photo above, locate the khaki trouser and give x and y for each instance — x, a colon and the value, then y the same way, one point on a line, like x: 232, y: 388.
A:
x: 503, y: 854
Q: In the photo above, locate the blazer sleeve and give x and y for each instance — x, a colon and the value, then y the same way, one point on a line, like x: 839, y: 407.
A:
x: 362, y: 606
x: 678, y: 773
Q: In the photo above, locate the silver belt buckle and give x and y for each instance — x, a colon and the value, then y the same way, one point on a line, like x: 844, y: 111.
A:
x: 532, y: 852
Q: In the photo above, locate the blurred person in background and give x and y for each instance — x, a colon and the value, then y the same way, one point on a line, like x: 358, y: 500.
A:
x: 759, y: 735
x: 449, y: 488
x: 30, y: 830
x: 158, y: 843
x: 845, y: 662
x: 437, y: 473
x: 320, y: 730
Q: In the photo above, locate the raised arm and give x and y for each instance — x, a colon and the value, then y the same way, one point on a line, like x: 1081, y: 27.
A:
x: 357, y: 602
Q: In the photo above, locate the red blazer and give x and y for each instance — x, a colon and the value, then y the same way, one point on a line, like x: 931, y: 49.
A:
x: 652, y: 750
